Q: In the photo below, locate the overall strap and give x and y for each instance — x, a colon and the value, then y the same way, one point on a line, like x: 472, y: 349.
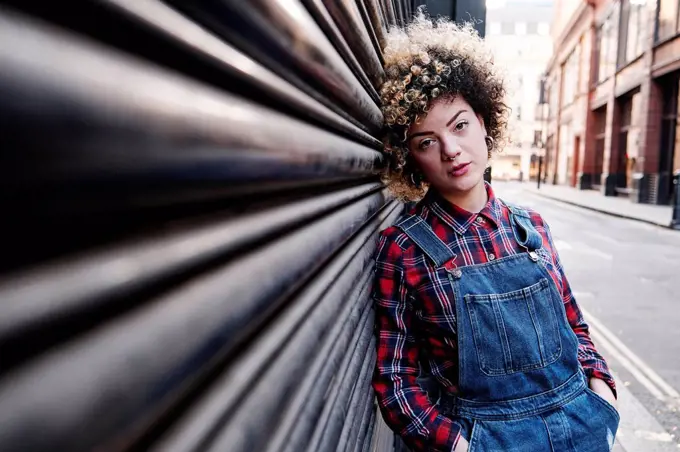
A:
x: 525, y: 232
x: 422, y: 234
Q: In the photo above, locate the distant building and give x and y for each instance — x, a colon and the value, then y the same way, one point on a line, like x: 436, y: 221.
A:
x: 612, y: 97
x: 519, y: 33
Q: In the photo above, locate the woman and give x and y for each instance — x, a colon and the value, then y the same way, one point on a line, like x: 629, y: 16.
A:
x: 481, y: 344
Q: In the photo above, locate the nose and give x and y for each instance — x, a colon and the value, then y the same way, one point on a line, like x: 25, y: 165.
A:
x: 450, y: 149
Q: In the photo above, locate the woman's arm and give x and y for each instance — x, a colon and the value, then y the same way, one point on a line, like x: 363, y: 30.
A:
x: 406, y: 407
x: 594, y: 365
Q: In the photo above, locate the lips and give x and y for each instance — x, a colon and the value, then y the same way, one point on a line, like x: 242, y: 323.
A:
x: 460, y: 170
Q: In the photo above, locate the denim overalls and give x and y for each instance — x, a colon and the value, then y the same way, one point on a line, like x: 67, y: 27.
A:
x: 521, y: 387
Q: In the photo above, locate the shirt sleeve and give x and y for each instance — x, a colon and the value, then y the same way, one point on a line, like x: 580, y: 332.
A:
x: 592, y: 362
x: 405, y: 406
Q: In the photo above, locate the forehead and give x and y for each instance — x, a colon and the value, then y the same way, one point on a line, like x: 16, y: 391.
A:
x: 440, y: 113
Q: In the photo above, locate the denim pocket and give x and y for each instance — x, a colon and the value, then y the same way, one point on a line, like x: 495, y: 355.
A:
x: 516, y: 331
x: 602, y: 401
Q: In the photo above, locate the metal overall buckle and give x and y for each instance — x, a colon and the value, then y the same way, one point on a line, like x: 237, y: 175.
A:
x: 452, y: 269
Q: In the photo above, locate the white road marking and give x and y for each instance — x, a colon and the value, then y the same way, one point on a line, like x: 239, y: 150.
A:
x: 639, y: 430
x: 634, y: 363
x: 561, y: 246
x: 625, y: 362
x: 601, y: 237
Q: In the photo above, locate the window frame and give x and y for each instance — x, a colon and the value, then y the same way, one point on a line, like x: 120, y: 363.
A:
x: 570, y: 78
x: 608, y: 33
x: 675, y: 32
x: 630, y: 13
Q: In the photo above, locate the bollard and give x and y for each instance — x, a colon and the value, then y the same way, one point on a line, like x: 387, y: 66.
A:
x: 675, y: 223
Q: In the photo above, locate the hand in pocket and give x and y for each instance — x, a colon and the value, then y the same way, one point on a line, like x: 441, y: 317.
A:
x: 602, y: 389
x: 462, y: 446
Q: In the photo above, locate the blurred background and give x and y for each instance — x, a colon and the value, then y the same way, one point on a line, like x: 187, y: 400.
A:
x: 190, y: 199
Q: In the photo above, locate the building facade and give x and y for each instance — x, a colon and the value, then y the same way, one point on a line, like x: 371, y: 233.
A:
x: 611, y: 95
x: 519, y: 34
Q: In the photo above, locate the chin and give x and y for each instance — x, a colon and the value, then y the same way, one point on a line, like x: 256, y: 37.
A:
x: 465, y: 183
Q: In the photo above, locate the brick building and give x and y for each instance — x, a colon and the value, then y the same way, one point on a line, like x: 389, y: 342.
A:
x: 518, y: 33
x: 611, y: 95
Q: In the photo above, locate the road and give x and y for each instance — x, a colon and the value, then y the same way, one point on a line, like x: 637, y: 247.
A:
x: 626, y: 278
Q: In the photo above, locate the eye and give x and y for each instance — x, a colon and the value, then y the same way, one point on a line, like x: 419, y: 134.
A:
x: 461, y: 125
x: 426, y: 143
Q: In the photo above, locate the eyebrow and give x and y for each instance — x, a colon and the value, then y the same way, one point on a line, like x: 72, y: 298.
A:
x: 427, y: 132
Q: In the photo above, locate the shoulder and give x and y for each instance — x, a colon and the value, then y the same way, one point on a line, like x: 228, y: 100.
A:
x: 534, y: 216
x: 392, y: 236
x: 395, y: 235
x: 391, y: 247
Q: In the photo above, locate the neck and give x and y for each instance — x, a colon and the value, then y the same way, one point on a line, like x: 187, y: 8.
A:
x: 472, y: 200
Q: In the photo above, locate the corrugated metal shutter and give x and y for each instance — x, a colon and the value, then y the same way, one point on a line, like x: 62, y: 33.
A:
x: 189, y: 209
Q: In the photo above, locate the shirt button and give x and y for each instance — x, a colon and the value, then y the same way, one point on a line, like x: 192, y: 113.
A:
x: 479, y: 220
x: 492, y: 257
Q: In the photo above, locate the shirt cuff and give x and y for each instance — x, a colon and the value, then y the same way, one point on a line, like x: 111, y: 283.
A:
x: 447, y: 435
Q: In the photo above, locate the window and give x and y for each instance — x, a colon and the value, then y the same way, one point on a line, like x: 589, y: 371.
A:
x: 607, y: 45
x: 532, y: 28
x: 570, y: 76
x: 520, y: 28
x: 537, y: 138
x: 507, y: 28
x: 519, y: 112
x: 542, y: 94
x: 494, y: 28
x: 667, y: 19
x: 543, y: 28
x: 552, y: 96
x: 633, y: 31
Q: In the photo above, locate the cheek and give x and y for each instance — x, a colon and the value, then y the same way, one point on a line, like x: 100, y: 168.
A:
x: 478, y: 149
x: 428, y: 163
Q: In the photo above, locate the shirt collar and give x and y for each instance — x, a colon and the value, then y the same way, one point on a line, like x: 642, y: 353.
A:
x: 460, y: 219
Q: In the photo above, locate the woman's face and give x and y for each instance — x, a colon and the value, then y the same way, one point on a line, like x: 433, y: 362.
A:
x: 448, y: 146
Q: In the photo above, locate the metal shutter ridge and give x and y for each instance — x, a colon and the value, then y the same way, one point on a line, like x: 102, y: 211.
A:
x: 190, y: 203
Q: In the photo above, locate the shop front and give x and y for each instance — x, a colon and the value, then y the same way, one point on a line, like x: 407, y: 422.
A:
x: 669, y: 145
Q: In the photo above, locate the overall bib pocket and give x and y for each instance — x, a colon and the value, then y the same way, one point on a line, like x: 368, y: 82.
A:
x: 516, y: 331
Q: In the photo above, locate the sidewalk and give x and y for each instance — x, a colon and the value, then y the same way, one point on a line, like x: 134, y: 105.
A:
x: 594, y: 200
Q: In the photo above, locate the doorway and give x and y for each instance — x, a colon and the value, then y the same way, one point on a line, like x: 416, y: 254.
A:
x: 576, y: 162
x: 669, y: 136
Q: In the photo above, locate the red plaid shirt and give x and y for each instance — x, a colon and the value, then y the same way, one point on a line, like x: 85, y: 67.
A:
x: 400, y: 291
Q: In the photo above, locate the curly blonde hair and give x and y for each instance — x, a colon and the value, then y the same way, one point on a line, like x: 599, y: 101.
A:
x: 430, y: 60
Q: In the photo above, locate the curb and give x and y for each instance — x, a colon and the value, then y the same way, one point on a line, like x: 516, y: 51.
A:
x: 595, y: 209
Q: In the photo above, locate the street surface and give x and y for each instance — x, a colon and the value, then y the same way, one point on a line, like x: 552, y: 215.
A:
x: 626, y: 278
